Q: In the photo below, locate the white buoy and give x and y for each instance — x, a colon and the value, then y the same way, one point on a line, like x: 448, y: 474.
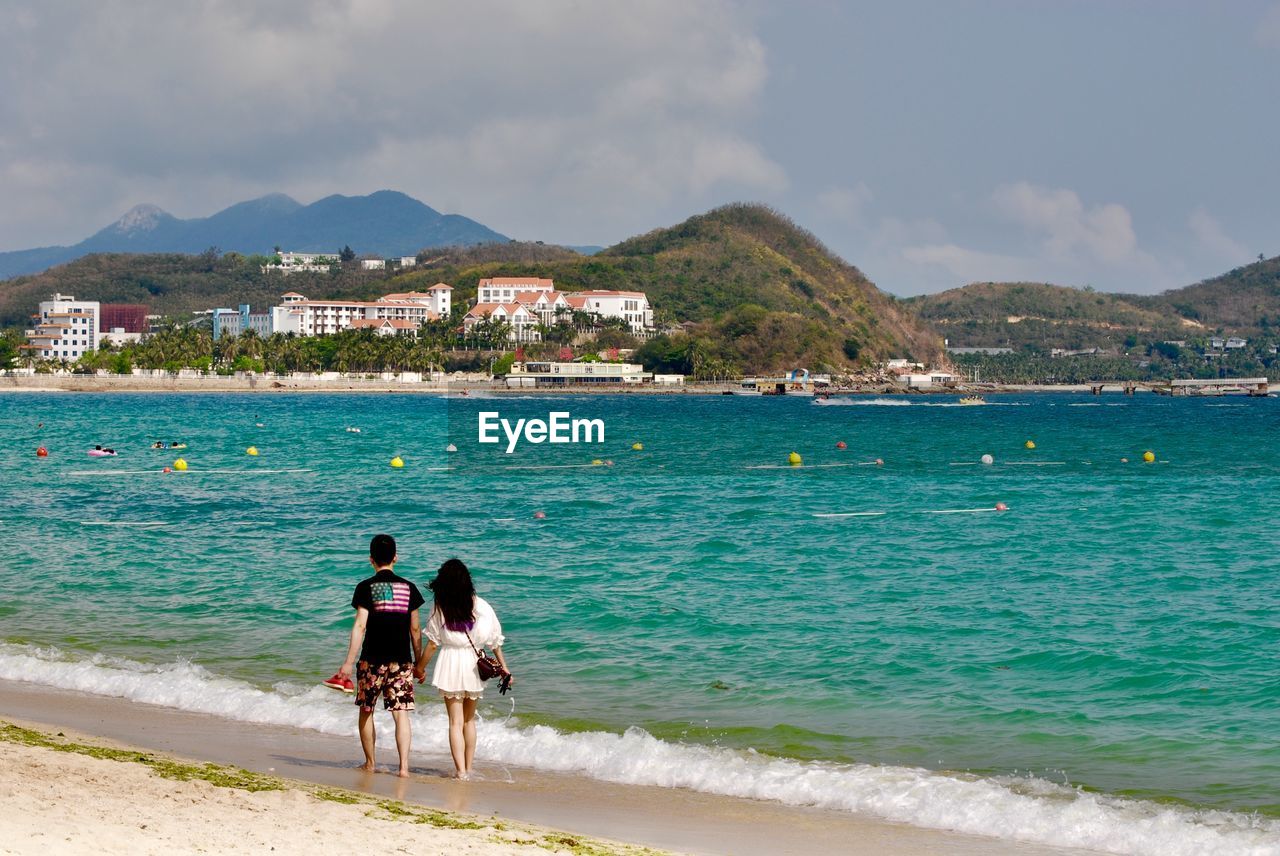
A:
x: 451, y: 448
x: 987, y: 459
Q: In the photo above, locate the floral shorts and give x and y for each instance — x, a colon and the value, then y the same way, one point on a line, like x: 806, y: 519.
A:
x: 392, y: 681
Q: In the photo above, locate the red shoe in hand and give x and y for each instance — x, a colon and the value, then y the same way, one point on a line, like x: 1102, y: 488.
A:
x: 338, y: 682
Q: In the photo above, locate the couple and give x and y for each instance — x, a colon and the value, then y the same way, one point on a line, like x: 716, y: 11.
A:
x: 386, y: 627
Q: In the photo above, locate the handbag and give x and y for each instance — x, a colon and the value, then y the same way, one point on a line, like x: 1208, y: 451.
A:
x: 488, y: 667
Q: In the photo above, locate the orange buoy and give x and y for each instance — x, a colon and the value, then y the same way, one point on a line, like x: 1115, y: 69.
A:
x: 42, y: 452
x: 1000, y: 506
x: 842, y: 445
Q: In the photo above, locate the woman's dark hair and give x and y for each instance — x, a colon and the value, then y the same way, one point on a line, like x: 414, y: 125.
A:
x: 455, y: 595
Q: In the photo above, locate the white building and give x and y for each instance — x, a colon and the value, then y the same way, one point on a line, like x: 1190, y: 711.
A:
x: 304, y: 317
x: 630, y: 306
x: 926, y: 379
x: 540, y: 297
x: 233, y: 322
x: 373, y: 264
x: 303, y: 263
x: 408, y: 261
x: 565, y: 374
x: 503, y: 289
x: 65, y: 328
x: 523, y: 321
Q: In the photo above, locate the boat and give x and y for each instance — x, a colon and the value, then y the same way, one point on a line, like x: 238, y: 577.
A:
x: 972, y: 399
x: 747, y: 387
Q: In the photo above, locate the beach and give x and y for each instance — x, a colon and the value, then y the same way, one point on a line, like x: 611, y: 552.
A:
x: 115, y: 806
x: 863, y: 643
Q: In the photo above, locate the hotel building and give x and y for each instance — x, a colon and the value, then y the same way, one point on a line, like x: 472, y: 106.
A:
x: 501, y: 298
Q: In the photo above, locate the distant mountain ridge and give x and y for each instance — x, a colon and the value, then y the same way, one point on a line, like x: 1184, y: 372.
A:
x: 1243, y: 302
x: 385, y: 223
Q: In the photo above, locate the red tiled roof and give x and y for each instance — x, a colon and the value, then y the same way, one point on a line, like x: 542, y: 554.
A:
x: 406, y: 295
x: 395, y: 323
x: 515, y: 280
x: 440, y: 286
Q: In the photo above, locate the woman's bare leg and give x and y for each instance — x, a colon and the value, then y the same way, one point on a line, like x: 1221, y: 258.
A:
x: 457, y: 746
x: 469, y: 731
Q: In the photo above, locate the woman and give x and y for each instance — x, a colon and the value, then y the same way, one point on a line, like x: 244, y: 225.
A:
x: 461, y: 624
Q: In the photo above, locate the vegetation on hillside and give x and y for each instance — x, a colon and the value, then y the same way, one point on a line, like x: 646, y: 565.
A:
x: 741, y: 287
x: 1244, y: 301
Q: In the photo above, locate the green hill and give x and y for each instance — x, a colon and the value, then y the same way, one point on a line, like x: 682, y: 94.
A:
x: 1023, y: 315
x: 756, y: 292
x: 1040, y: 315
x: 1244, y: 301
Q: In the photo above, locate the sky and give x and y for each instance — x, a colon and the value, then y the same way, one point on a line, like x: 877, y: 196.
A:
x: 1123, y: 145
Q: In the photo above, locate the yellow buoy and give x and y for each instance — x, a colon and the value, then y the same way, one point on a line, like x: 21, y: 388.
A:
x: 794, y: 459
x: 397, y: 462
x: 637, y: 447
x: 180, y: 465
x: 597, y: 463
x: 1149, y: 457
x: 252, y: 450
x: 1031, y: 444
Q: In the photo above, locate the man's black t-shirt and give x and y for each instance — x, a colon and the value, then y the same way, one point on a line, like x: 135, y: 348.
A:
x: 390, y: 599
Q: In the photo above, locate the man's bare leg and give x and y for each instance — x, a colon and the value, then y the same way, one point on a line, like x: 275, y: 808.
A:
x: 367, y: 738
x: 404, y: 737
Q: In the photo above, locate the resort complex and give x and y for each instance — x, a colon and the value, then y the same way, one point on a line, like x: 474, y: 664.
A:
x: 66, y: 328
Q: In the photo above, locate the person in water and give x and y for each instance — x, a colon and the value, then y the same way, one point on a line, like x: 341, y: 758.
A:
x: 385, y: 629
x: 159, y: 444
x: 461, y: 623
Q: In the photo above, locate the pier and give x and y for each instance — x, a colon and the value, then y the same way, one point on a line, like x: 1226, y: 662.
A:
x: 1252, y: 386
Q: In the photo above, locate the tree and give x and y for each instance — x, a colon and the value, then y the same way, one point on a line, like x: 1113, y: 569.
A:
x: 347, y: 254
x: 8, y: 350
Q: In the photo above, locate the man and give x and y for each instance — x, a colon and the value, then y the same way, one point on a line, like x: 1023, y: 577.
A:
x: 387, y: 636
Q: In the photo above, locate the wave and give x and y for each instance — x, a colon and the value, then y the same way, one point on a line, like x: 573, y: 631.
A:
x: 1024, y: 809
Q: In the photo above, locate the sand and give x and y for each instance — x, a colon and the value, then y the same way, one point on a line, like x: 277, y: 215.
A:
x: 62, y: 802
x: 665, y: 818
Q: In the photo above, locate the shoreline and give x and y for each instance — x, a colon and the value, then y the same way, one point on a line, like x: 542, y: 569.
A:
x: 269, y: 384
x: 639, y: 815
x: 95, y: 796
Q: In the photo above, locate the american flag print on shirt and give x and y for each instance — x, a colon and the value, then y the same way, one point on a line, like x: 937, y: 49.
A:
x: 390, y: 597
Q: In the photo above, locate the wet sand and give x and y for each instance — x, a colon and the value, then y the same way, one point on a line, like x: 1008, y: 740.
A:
x: 671, y: 819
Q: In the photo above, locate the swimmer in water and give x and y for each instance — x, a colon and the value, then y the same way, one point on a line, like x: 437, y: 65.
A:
x: 159, y: 444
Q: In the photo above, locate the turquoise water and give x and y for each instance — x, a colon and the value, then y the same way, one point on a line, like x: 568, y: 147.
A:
x: 1114, y: 630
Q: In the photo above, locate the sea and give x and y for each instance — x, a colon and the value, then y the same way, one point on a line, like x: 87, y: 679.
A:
x: 1096, y: 665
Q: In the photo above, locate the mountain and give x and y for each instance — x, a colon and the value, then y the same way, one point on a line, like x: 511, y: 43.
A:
x: 385, y: 223
x: 1244, y: 302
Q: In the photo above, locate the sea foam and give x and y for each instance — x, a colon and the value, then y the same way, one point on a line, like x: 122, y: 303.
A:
x: 1024, y: 809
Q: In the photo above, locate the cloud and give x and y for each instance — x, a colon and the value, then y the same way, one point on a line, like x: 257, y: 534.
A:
x: 967, y: 265
x: 846, y: 205
x: 523, y: 115
x: 1211, y: 237
x: 1267, y: 33
x: 1103, y: 233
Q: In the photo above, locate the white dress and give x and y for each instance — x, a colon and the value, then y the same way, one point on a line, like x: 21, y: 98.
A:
x: 456, y: 675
